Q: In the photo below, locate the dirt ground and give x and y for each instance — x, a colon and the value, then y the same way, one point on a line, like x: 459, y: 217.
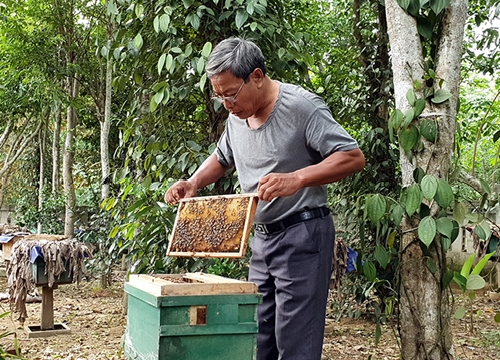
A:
x: 97, y: 322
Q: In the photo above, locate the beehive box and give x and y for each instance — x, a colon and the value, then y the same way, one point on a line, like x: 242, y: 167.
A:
x: 40, y: 277
x: 190, y: 317
x: 213, y: 226
x: 7, y: 242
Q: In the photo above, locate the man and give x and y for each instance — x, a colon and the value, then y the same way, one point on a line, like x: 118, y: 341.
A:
x: 285, y: 146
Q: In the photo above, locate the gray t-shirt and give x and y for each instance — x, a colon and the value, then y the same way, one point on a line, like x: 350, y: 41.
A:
x: 300, y: 131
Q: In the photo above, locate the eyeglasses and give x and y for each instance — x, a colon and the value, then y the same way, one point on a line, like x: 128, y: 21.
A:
x: 231, y: 99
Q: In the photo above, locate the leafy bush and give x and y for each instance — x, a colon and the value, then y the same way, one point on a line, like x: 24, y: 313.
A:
x: 50, y: 215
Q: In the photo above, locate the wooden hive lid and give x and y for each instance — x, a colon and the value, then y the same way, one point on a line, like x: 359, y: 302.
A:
x: 190, y: 284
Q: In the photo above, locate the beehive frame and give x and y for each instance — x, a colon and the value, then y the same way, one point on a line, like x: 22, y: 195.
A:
x: 213, y: 226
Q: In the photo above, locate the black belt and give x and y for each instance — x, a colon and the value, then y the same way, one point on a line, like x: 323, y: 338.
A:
x: 291, y: 220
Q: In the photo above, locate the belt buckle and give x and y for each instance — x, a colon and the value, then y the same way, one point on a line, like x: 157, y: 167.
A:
x: 261, y: 228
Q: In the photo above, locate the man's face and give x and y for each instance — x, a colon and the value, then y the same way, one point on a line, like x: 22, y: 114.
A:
x: 234, y: 93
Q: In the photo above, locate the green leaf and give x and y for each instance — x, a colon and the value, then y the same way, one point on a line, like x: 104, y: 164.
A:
x: 418, y: 174
x: 427, y: 230
x: 438, y: 5
x: 447, y: 278
x: 200, y: 65
x: 391, y: 239
x: 414, y: 7
x: 382, y: 256
x: 203, y: 80
x: 460, y: 280
x: 455, y: 231
x: 408, y: 138
x: 409, y: 116
x: 496, y: 136
x: 479, y: 231
x: 241, y: 18
x: 424, y: 28
x: 414, y: 198
x: 444, y: 194
x: 369, y: 270
x: 156, y: 24
x: 250, y: 8
x: 444, y: 226
x: 164, y: 22
x: 428, y: 129
x: 467, y: 266
x: 482, y: 263
x: 139, y: 10
x: 193, y: 19
x: 159, y: 97
x: 161, y: 63
x: 397, y: 214
x: 375, y: 207
x: 430, y: 265
x: 460, y: 313
x: 486, y: 187
x: 153, y: 104
x: 169, y: 62
x: 497, y: 317
x: 404, y: 4
x: 446, y: 242
x: 419, y: 107
x: 441, y: 96
x: 410, y: 96
x: 398, y: 117
x: 475, y: 282
x: 207, y: 49
x: 459, y: 211
x: 138, y: 41
x: 428, y: 186
x: 281, y: 52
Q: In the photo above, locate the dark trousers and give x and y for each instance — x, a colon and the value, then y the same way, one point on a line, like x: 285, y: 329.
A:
x: 292, y: 269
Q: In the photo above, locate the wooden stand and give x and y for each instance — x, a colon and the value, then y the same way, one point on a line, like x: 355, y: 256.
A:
x: 47, y: 327
x: 48, y: 308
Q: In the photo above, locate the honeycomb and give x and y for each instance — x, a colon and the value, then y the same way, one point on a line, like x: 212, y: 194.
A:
x: 212, y: 225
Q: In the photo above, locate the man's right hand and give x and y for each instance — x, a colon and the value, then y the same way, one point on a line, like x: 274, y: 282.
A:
x: 180, y: 190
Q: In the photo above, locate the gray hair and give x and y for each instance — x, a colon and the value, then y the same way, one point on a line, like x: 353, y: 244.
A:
x: 237, y: 55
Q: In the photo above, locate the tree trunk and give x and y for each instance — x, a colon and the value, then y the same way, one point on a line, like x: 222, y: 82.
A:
x: 56, y: 150
x: 425, y: 310
x: 42, y: 135
x: 105, y: 126
x: 69, y: 186
x: 16, y: 148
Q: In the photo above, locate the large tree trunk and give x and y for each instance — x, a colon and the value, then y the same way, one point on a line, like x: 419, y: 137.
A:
x: 425, y: 310
x: 105, y: 126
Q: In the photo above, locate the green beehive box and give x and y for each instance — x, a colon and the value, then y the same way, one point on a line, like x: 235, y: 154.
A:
x: 194, y: 316
x: 41, y: 279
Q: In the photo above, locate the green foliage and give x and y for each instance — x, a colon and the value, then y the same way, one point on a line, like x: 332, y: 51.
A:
x: 172, y: 124
x: 231, y: 268
x: 3, y: 353
x: 50, y: 216
x: 470, y: 280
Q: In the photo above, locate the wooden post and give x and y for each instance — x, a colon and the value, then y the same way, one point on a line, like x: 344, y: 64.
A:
x: 48, y: 308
